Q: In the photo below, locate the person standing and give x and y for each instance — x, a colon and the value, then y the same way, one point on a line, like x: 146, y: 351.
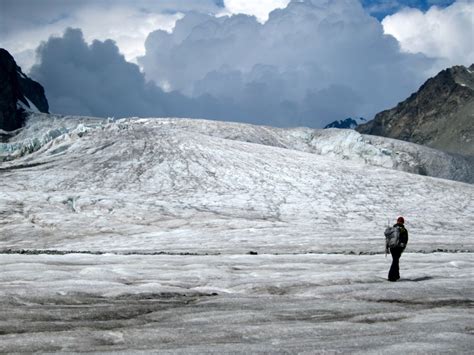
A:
x: 396, y: 242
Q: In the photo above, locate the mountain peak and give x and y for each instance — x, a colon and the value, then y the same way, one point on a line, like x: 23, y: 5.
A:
x: 348, y: 123
x: 440, y: 114
x: 463, y: 76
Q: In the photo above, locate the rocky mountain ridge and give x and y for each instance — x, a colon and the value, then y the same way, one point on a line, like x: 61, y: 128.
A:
x: 439, y: 115
x: 348, y: 123
x: 18, y: 94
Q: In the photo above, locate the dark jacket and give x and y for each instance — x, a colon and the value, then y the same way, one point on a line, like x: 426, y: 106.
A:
x: 403, y: 237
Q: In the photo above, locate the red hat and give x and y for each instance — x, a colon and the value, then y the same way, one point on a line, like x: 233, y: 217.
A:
x: 401, y: 220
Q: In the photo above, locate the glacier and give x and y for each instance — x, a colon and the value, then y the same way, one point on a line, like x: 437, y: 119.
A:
x: 192, y: 236
x: 345, y: 144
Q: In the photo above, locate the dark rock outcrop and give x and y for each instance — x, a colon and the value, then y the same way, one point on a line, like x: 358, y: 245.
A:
x: 348, y: 123
x: 439, y: 115
x: 17, y: 91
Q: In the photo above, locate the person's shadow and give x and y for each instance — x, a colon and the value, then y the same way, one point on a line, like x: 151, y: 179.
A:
x: 417, y: 279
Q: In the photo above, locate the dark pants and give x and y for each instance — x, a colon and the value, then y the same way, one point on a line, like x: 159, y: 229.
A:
x: 394, y: 273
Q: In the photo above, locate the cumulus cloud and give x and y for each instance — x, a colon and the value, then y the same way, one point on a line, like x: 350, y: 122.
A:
x: 260, y: 9
x: 24, y: 24
x: 93, y: 79
x: 440, y: 33
x: 310, y: 63
x: 96, y: 80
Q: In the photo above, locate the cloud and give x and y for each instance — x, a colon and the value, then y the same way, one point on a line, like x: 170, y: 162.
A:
x: 93, y: 79
x: 310, y: 63
x: 96, y: 80
x: 260, y: 9
x: 438, y: 33
x: 24, y: 24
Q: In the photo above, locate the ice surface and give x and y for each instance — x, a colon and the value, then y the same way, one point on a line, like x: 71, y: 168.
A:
x: 342, y: 144
x: 303, y: 199
x: 184, y: 185
x: 236, y: 304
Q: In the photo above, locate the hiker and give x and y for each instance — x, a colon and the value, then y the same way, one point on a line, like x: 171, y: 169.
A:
x: 396, y: 241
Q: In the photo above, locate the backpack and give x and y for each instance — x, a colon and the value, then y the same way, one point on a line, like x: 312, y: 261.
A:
x: 392, y: 237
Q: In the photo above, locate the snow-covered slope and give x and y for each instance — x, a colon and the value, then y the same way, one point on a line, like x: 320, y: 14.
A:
x: 195, y: 185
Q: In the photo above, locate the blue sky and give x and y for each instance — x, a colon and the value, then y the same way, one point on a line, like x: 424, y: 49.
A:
x: 382, y: 8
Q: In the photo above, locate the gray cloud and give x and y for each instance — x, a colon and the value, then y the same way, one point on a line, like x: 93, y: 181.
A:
x: 17, y: 15
x: 93, y: 80
x: 309, y: 64
x: 96, y: 80
x: 24, y: 24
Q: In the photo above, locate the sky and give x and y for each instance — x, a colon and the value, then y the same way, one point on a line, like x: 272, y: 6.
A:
x: 275, y: 62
